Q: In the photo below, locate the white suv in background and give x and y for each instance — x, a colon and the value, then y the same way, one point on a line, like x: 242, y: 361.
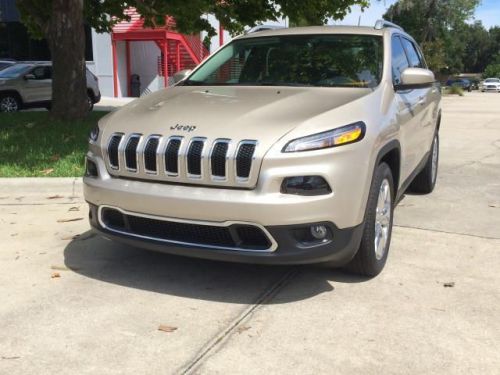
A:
x: 29, y: 85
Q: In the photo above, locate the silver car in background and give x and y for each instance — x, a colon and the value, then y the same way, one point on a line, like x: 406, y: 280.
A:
x: 490, y: 85
x: 29, y: 85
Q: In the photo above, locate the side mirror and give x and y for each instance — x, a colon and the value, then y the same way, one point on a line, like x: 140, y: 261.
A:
x: 415, y: 78
x: 29, y: 76
x: 181, y: 75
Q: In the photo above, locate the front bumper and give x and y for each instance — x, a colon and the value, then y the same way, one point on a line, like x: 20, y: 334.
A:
x: 338, y: 250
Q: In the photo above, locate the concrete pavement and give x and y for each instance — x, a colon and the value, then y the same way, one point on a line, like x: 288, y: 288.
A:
x: 73, y: 302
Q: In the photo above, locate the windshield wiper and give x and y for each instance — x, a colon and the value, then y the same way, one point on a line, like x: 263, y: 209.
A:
x: 291, y: 84
x: 190, y: 82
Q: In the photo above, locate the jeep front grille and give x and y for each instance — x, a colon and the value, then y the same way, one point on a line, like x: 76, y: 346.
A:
x: 114, y: 143
x: 131, y: 152
x: 194, y: 157
x: 196, y: 160
x: 226, y: 236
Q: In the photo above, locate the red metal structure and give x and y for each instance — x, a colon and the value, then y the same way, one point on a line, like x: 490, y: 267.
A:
x: 178, y: 51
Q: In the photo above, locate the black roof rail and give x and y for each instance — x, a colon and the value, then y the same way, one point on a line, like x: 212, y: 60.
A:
x: 382, y: 24
x: 263, y: 28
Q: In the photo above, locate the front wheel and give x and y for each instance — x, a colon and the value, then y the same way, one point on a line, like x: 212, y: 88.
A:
x: 9, y: 103
x: 90, y: 103
x: 425, y: 181
x: 374, y: 248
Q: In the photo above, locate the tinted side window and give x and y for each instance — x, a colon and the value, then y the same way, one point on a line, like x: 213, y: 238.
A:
x: 42, y: 72
x: 412, y: 53
x: 399, y: 60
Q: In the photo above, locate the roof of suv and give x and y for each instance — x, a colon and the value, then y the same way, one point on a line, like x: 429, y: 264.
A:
x: 361, y: 30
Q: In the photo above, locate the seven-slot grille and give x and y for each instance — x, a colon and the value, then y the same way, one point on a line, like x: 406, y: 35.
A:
x: 159, y: 156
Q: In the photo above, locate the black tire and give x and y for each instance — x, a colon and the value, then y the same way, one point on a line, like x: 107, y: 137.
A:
x: 10, y: 103
x: 425, y: 181
x: 90, y: 102
x: 367, y: 261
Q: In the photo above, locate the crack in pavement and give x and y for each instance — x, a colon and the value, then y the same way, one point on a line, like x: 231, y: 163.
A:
x: 447, y: 232
x: 41, y: 204
x: 265, y: 297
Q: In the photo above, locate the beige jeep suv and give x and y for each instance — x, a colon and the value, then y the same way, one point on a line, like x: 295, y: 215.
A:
x: 286, y: 146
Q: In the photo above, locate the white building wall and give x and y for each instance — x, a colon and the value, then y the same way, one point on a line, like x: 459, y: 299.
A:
x: 102, y: 66
x: 144, y: 62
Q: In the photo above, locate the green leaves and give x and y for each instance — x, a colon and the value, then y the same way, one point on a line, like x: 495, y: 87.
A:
x: 191, y: 16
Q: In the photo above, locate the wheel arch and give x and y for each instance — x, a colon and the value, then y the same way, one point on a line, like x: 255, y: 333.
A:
x: 91, y: 94
x: 13, y: 93
x: 391, y: 155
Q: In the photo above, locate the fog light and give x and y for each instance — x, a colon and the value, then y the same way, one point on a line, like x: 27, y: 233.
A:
x: 94, y: 134
x: 319, y: 232
x: 90, y: 169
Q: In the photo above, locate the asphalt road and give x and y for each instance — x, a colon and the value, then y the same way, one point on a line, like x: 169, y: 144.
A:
x: 85, y: 305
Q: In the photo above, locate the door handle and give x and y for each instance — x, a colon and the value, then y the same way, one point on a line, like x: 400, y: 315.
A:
x: 422, y: 100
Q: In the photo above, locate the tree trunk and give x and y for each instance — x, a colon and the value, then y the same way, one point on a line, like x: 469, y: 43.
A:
x: 66, y: 37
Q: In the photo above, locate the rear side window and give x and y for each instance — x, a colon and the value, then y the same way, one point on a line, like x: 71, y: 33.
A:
x: 399, y: 60
x: 413, y: 55
x: 42, y: 72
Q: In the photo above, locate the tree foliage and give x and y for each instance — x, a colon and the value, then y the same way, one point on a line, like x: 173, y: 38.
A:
x: 492, y: 71
x: 439, y: 26
x: 56, y: 21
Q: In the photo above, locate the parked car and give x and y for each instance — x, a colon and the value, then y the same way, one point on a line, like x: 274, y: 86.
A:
x: 6, y: 63
x: 29, y: 85
x: 460, y: 82
x: 490, y: 84
x: 261, y: 155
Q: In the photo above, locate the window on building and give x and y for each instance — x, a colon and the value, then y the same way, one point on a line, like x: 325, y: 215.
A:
x: 16, y: 43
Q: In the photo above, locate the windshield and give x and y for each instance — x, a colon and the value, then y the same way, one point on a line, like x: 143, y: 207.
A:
x: 14, y: 71
x: 295, y: 60
x: 492, y: 80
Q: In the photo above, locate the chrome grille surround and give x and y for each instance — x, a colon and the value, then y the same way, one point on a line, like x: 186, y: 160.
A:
x: 167, y: 146
x: 129, y: 146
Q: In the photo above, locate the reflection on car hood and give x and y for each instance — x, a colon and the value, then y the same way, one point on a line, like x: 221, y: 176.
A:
x: 263, y: 113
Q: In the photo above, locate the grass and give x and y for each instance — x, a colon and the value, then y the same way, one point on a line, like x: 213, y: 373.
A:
x: 454, y: 90
x: 33, y: 145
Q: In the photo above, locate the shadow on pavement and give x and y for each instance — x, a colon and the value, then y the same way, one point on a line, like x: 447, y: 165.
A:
x: 93, y: 256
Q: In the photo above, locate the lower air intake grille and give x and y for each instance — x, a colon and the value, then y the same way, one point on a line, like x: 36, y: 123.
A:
x: 236, y: 236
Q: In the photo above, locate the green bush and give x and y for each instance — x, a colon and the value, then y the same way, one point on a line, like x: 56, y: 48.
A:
x: 492, y: 71
x: 454, y: 90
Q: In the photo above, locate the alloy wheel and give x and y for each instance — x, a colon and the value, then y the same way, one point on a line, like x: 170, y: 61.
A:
x: 383, y: 219
x: 9, y: 104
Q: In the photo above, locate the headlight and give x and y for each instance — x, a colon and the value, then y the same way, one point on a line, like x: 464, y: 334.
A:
x: 94, y: 134
x: 332, y: 138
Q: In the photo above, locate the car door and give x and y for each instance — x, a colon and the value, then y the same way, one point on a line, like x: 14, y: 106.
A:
x: 408, y: 111
x: 427, y: 101
x: 38, y: 86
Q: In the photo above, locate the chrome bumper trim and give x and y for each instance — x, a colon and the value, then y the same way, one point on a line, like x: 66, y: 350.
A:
x: 274, y: 244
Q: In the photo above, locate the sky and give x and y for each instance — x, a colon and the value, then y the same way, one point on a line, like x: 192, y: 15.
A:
x: 488, y: 12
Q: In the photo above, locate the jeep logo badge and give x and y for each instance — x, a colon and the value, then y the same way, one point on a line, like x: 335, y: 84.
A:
x: 186, y: 128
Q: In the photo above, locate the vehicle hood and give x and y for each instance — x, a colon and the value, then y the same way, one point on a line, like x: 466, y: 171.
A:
x: 261, y: 113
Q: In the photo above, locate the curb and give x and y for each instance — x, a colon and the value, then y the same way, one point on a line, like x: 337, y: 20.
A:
x: 69, y: 186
